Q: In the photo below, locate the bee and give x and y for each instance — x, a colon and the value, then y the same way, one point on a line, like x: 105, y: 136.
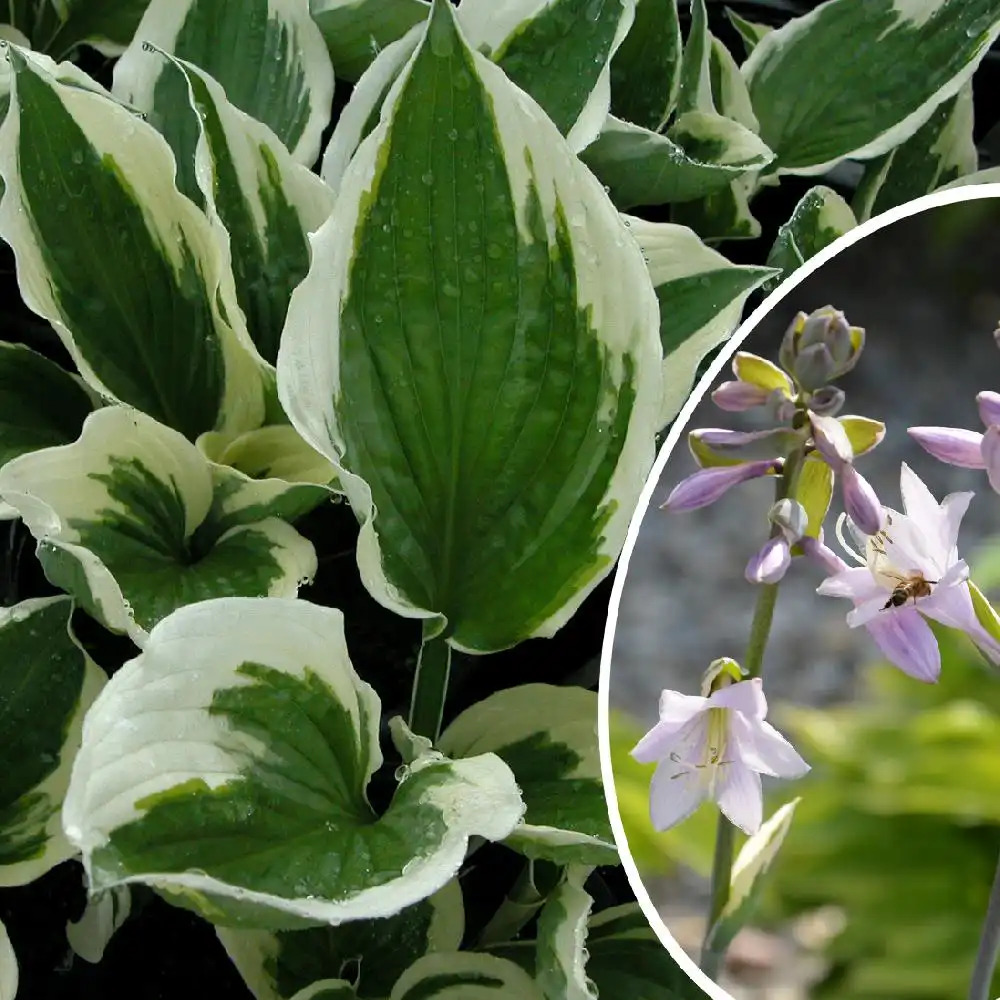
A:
x: 911, y: 585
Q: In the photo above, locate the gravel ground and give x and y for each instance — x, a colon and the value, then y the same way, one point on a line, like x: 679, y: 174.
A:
x: 925, y: 289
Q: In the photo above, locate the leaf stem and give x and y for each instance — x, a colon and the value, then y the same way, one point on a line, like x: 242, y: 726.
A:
x: 753, y: 662
x: 989, y: 945
x: 430, y: 687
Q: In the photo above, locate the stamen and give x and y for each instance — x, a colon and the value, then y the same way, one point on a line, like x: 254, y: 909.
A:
x: 841, y: 521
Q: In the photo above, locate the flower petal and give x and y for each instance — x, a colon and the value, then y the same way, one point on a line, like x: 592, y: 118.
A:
x: 953, y: 509
x: 918, y: 501
x: 739, y: 796
x: 872, y: 607
x: 952, y: 606
x: 761, y: 747
x: 677, y: 707
x: 989, y: 408
x: 657, y: 743
x: 770, y: 563
x: 706, y: 486
x: 953, y: 445
x: 675, y: 793
x: 746, y: 697
x: 991, y: 456
x: 855, y: 583
x: 908, y: 642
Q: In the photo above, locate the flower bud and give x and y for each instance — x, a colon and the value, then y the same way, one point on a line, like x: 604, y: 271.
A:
x: 725, y: 666
x: 828, y: 401
x: 771, y: 563
x: 991, y: 456
x: 953, y: 445
x: 780, y: 407
x: 705, y: 486
x: 791, y: 517
x: 860, y: 502
x: 820, y: 347
x: 989, y: 408
x: 738, y: 395
x: 821, y: 554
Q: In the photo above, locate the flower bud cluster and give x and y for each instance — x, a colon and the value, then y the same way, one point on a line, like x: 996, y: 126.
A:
x: 798, y: 395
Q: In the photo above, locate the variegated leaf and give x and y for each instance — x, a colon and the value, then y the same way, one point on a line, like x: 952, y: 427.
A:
x: 464, y: 975
x: 244, y: 724
x: 942, y: 150
x: 817, y: 105
x: 125, y: 268
x: 475, y: 349
x: 561, y: 950
x: 699, y: 154
x: 558, y: 51
x: 262, y: 203
x: 816, y: 221
x: 268, y: 55
x: 130, y: 520
x: 47, y: 683
x: 8, y: 966
x: 547, y: 736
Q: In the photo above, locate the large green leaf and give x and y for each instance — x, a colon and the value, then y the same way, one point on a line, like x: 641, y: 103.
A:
x: 228, y: 765
x: 40, y: 403
x: 268, y: 55
x: 939, y: 152
x: 475, y: 348
x: 695, y: 89
x: 372, y: 953
x: 262, y: 203
x: 558, y: 51
x: 701, y: 301
x: 858, y: 77
x: 645, y: 72
x: 547, y: 736
x: 701, y: 153
x: 820, y: 217
x: 131, y: 521
x: 47, y: 683
x: 356, y: 31
x: 125, y: 268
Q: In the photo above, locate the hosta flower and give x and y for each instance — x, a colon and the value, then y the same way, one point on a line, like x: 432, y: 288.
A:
x: 715, y: 747
x: 820, y: 347
x: 909, y: 571
x: 964, y: 448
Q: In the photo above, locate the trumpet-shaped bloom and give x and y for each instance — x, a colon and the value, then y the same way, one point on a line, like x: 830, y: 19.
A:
x: 715, y: 747
x: 909, y: 571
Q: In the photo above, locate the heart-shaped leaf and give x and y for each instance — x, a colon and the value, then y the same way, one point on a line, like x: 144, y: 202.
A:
x: 244, y: 726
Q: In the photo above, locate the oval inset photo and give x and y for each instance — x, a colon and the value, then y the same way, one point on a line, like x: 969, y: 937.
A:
x: 801, y: 679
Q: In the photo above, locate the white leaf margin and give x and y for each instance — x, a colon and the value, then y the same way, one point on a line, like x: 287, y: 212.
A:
x: 8, y: 966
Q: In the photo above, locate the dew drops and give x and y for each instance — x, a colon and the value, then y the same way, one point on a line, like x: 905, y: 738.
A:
x: 427, y: 178
x: 452, y: 134
x: 451, y: 291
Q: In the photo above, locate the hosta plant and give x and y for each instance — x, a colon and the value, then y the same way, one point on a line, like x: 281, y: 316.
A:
x: 314, y: 397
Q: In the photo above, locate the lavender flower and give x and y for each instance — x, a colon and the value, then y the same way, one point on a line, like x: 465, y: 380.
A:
x: 715, y: 747
x: 909, y: 571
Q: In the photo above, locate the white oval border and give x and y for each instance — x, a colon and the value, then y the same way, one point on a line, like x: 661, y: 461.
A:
x: 969, y: 192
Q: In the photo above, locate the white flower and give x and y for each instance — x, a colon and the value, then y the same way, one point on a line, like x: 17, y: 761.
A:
x: 715, y: 748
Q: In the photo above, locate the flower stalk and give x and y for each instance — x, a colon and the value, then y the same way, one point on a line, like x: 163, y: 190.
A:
x: 430, y: 688
x: 989, y: 945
